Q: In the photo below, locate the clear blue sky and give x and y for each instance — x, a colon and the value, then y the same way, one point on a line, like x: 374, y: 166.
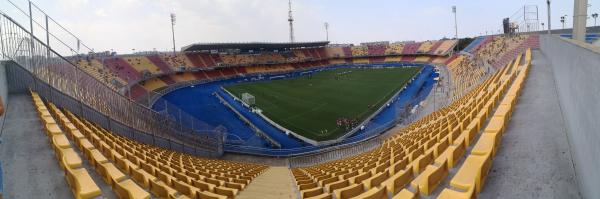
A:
x: 144, y: 24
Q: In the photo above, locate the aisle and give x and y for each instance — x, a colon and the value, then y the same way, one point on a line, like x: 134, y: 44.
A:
x: 276, y: 183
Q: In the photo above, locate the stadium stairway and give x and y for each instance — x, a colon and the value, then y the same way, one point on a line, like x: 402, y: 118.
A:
x: 275, y: 183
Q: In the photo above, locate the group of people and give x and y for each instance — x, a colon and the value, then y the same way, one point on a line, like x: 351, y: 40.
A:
x: 346, y: 123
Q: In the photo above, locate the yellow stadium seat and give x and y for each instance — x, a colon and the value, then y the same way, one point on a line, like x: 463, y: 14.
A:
x: 327, y: 181
x: 496, y: 125
x: 82, y: 184
x: 129, y: 190
x: 486, y: 144
x: 97, y: 158
x: 203, y: 186
x: 337, y: 185
x: 451, y: 155
x: 349, y: 192
x: 430, y: 178
x: 396, y: 182
x: 209, y: 195
x: 374, y: 193
x: 70, y: 159
x: 472, y: 173
x: 376, y: 180
x: 185, y: 189
x: 161, y: 189
x: 421, y: 162
x: 406, y: 194
x: 53, y: 129
x: 309, y: 186
x: 229, y: 192
x: 323, y: 196
x: 126, y: 165
x: 452, y: 194
x: 142, y: 177
x: 359, y: 178
x: 110, y: 173
x: 311, y: 192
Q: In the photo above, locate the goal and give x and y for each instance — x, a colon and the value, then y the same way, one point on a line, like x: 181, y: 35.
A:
x: 248, y: 99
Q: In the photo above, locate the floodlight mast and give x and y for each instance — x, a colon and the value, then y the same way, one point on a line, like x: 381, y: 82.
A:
x: 291, y: 21
x: 173, y: 32
x: 326, y: 31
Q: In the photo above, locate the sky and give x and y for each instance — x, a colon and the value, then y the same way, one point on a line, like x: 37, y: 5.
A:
x: 144, y: 25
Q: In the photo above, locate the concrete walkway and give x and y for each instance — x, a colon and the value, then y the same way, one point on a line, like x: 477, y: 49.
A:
x: 534, y: 160
x: 275, y: 183
x: 30, y: 168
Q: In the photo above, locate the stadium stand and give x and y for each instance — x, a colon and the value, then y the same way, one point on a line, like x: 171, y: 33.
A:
x: 426, y: 47
x: 421, y: 154
x: 359, y: 51
x: 135, y: 170
x: 395, y: 49
x: 95, y: 68
x: 444, y: 47
x: 411, y: 48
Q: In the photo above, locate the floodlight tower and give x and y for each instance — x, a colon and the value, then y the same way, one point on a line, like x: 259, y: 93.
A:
x: 326, y: 31
x: 173, y: 32
x: 291, y: 20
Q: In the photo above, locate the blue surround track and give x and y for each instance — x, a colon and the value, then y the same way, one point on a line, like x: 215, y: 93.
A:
x: 200, y: 102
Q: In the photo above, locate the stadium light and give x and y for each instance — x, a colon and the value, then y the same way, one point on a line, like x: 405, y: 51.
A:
x: 455, y: 27
x: 173, y: 19
x: 326, y: 31
x: 562, y: 20
x: 595, y: 16
x: 455, y: 22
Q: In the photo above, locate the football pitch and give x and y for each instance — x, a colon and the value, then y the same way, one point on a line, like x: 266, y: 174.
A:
x: 327, y: 104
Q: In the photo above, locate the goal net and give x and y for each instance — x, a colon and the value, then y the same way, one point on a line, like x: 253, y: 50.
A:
x: 248, y: 99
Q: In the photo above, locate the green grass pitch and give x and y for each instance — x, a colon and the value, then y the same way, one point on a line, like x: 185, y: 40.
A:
x: 312, y: 106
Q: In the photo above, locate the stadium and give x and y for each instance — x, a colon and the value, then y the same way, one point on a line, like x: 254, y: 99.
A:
x: 506, y: 114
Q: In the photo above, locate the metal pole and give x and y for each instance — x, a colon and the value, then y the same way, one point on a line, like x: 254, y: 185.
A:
x: 173, y: 31
x: 455, y: 22
x: 31, y: 32
x: 2, y: 39
x: 525, y: 18
x: 549, y: 19
x: 326, y: 31
x: 47, y: 36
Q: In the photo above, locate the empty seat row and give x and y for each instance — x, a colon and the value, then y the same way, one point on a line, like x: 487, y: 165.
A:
x: 470, y: 178
x: 81, y: 183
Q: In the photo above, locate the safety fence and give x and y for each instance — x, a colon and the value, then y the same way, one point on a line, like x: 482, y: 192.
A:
x: 55, y: 78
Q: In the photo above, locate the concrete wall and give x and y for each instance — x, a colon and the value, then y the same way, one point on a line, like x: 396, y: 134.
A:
x: 577, y: 75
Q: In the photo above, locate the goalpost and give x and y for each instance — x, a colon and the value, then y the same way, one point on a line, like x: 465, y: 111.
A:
x: 248, y: 99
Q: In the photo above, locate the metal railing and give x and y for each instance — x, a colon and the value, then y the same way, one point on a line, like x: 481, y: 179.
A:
x: 55, y: 74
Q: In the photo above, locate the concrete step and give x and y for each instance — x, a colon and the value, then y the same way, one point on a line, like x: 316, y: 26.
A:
x: 275, y: 183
